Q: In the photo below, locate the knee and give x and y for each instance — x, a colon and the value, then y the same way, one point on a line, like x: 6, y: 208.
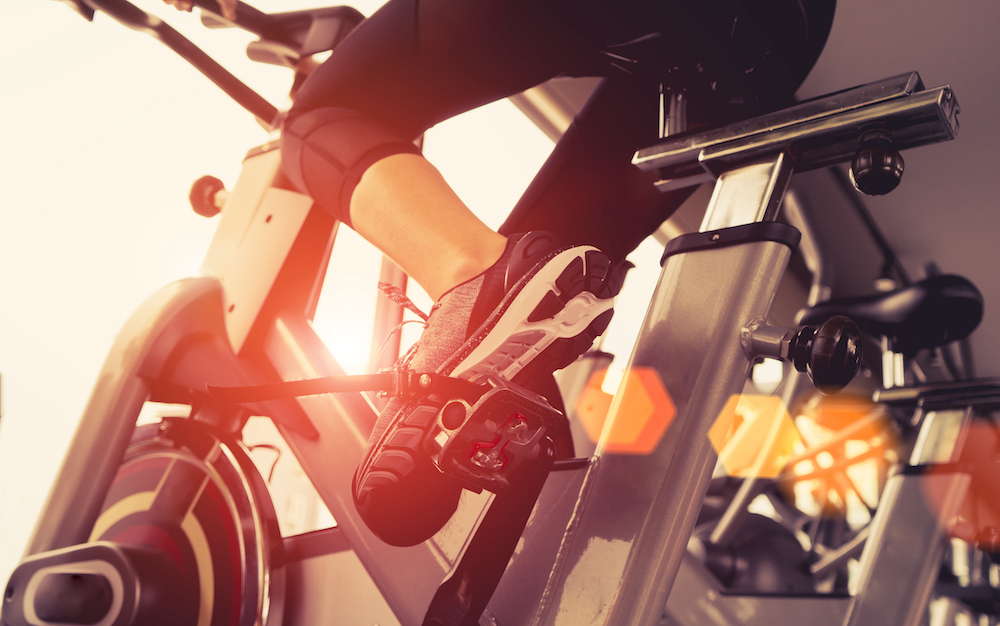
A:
x: 325, y: 151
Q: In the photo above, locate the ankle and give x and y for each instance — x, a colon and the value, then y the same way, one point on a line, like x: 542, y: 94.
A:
x: 473, y: 261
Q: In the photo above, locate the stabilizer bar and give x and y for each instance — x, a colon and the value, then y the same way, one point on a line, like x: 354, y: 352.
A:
x: 816, y: 133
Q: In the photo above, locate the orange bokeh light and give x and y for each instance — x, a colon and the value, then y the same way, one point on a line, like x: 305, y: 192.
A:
x: 849, y: 446
x: 754, y: 436
x: 643, y: 411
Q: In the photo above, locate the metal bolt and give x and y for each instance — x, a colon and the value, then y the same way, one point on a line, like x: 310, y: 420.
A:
x: 517, y: 425
x: 424, y: 381
x: 488, y: 460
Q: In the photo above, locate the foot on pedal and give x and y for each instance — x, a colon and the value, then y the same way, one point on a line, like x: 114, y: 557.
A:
x: 485, y: 444
x: 534, y: 311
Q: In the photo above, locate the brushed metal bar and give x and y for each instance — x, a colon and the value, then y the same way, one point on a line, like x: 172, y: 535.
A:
x: 817, y: 134
x: 902, y: 557
x: 621, y: 557
x: 672, y: 151
x: 751, y: 193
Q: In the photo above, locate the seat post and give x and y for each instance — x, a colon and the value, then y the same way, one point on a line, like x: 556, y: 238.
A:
x: 691, y: 339
x: 673, y: 112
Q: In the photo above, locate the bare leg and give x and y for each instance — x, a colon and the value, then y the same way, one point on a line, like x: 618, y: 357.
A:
x: 522, y: 317
x: 404, y: 207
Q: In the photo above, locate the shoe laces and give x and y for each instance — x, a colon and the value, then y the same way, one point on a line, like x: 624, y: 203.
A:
x: 399, y: 296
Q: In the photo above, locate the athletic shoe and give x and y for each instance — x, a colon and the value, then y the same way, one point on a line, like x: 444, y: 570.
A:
x: 534, y: 311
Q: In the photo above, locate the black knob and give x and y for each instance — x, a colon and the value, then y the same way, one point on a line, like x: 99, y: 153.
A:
x: 829, y: 353
x: 877, y: 167
x: 202, y: 196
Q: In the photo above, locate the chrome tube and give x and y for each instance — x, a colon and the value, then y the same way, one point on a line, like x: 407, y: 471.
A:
x: 618, y: 560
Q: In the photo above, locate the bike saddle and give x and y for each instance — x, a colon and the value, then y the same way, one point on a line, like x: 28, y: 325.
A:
x: 304, y: 32
x: 732, y: 59
x: 307, y: 31
x: 927, y: 314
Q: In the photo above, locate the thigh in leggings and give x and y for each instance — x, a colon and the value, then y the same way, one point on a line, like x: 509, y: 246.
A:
x: 415, y: 63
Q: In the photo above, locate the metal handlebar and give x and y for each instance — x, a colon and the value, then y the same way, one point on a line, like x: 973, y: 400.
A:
x: 135, y: 18
x: 304, y: 32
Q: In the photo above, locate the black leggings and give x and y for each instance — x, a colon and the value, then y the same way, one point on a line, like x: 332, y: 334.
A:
x: 415, y: 63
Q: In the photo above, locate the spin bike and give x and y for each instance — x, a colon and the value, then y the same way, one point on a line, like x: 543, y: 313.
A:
x: 171, y: 523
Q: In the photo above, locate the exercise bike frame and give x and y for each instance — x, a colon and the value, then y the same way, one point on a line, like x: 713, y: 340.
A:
x: 614, y: 536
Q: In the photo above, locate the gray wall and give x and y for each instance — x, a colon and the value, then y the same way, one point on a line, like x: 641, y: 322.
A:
x: 945, y: 210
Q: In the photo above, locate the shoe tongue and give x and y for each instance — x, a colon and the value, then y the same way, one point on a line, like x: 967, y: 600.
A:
x: 522, y: 253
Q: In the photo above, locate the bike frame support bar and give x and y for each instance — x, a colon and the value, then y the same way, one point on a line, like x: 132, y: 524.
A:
x: 901, y: 560
x: 902, y: 557
x: 83, y: 480
x: 407, y: 577
x: 619, y: 560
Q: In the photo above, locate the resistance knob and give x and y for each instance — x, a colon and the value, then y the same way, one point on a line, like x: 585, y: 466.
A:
x: 877, y: 167
x: 830, y: 353
x: 207, y: 196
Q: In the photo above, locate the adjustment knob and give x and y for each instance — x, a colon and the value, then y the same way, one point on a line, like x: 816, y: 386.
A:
x: 207, y: 196
x: 877, y: 167
x: 829, y: 353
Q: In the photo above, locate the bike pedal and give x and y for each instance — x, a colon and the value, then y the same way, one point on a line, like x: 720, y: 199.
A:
x: 486, y: 443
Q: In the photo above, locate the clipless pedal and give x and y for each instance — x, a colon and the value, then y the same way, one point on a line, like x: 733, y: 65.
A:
x: 485, y: 442
x: 481, y: 433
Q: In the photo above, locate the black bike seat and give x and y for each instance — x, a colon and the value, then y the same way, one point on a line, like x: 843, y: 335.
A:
x: 732, y: 59
x: 306, y: 31
x: 926, y: 314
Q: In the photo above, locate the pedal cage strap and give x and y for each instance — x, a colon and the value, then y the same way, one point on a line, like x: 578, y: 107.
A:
x: 390, y: 382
